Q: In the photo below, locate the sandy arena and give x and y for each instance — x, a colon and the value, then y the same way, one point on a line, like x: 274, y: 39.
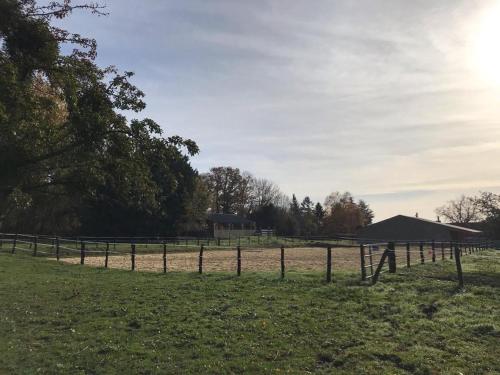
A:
x: 253, y: 260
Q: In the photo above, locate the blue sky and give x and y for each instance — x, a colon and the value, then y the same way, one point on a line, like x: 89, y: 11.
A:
x: 394, y: 101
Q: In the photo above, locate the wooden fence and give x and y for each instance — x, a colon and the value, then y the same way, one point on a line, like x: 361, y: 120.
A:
x: 378, y: 258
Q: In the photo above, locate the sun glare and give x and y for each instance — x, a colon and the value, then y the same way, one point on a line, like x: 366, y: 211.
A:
x: 487, y: 45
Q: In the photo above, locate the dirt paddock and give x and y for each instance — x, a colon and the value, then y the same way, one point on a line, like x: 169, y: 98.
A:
x: 253, y: 260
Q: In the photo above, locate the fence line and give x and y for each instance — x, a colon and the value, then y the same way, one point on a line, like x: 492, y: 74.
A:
x: 375, y: 258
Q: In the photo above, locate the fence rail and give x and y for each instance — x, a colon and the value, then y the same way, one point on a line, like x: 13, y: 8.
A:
x: 414, y: 253
x: 375, y: 258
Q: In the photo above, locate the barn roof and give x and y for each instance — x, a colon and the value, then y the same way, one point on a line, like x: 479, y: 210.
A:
x: 449, y: 226
x: 228, y: 219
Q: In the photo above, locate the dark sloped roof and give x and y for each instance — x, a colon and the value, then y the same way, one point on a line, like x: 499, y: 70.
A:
x: 450, y: 226
x: 228, y: 219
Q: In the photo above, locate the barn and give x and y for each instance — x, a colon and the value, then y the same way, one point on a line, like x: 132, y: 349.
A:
x: 229, y: 225
x: 409, y: 228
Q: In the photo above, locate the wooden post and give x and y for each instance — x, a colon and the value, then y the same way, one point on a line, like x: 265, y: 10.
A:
x: 57, y: 248
x: 408, y: 255
x: 362, y: 257
x: 282, y: 262
x: 422, y: 259
x: 200, y: 260
x: 459, y: 268
x: 238, y: 254
x: 82, y: 252
x: 442, y: 250
x: 433, y: 251
x: 165, y: 257
x: 106, y: 255
x: 470, y: 249
x: 391, y: 257
x: 451, y: 250
x: 329, y: 264
x: 35, y: 245
x: 14, y: 244
x: 132, y: 256
x: 379, y: 267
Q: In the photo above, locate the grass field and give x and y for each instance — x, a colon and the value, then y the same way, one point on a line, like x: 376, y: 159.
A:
x: 60, y: 318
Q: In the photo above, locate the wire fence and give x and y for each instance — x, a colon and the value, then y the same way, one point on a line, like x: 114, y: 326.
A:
x: 209, y: 255
x: 379, y: 258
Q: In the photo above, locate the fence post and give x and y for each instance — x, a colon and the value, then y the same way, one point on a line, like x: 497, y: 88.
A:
x: 329, y: 264
x: 379, y: 267
x: 106, y: 255
x: 391, y: 257
x: 57, y: 248
x: 362, y: 257
x: 442, y: 250
x: 451, y: 250
x: 459, y: 267
x: 35, y: 245
x: 422, y: 259
x: 408, y: 255
x: 82, y: 252
x: 238, y: 255
x: 14, y: 244
x: 433, y: 247
x: 165, y: 257
x: 282, y: 262
x: 200, y: 260
x: 132, y: 256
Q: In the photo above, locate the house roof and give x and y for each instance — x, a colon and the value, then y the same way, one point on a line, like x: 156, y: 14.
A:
x: 228, y: 219
x: 449, y: 226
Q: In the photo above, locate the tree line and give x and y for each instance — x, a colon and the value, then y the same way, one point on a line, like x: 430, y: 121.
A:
x: 480, y: 211
x: 231, y: 191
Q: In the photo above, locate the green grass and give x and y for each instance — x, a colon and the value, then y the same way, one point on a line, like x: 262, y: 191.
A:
x: 57, y: 318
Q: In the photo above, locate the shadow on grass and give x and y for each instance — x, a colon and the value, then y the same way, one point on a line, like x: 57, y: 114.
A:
x: 485, y: 278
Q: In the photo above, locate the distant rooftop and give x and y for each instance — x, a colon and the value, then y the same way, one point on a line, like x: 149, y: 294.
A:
x: 451, y: 226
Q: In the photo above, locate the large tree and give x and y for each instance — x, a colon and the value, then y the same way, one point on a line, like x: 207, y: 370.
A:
x: 229, y: 189
x: 463, y: 210
x: 69, y: 159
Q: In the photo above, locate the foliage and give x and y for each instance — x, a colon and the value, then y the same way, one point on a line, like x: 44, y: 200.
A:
x: 60, y: 319
x: 344, y: 215
x: 481, y: 211
x: 69, y: 159
x: 229, y: 189
x: 463, y: 210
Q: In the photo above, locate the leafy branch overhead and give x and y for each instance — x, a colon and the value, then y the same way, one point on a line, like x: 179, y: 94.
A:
x: 69, y: 158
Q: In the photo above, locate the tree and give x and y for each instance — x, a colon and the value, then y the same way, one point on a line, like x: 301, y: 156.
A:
x: 263, y: 192
x: 69, y: 159
x: 343, y: 215
x: 462, y: 210
x: 229, y: 189
x: 294, y: 207
x: 366, y: 212
x: 319, y: 212
x: 489, y: 206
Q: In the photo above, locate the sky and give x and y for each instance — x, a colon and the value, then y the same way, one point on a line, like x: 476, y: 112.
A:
x: 397, y: 102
